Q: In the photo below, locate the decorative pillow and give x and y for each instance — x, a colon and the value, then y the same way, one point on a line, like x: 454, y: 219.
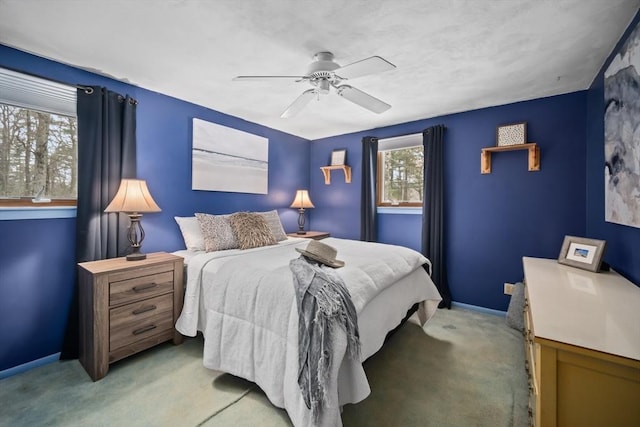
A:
x: 191, y: 233
x: 217, y: 232
x: 273, y: 221
x: 251, y: 230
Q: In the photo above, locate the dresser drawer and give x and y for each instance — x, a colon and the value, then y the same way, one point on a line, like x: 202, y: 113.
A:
x: 134, y: 289
x: 138, y: 329
x: 140, y: 311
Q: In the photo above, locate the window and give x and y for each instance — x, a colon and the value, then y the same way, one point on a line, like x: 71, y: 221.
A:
x: 38, y: 141
x: 400, y: 171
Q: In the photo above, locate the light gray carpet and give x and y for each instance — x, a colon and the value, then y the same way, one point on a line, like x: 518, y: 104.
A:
x: 465, y: 369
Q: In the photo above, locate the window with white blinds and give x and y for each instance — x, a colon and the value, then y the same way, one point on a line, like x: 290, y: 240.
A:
x: 38, y: 141
x: 34, y: 93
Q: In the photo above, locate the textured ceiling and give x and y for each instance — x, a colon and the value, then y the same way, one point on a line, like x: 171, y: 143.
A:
x: 451, y: 56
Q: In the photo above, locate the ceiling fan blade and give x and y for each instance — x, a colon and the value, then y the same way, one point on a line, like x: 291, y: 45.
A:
x: 252, y: 78
x: 372, y: 65
x: 362, y: 99
x: 299, y: 103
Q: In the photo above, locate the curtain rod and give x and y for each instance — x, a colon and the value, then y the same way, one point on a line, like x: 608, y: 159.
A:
x: 87, y: 89
x: 407, y: 134
x: 401, y: 135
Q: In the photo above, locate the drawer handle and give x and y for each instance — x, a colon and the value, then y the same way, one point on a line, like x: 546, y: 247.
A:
x: 144, y: 329
x: 142, y: 288
x: 144, y: 309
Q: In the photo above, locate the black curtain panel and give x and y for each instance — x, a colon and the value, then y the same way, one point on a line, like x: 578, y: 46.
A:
x: 368, y: 223
x: 106, y: 154
x: 433, y: 221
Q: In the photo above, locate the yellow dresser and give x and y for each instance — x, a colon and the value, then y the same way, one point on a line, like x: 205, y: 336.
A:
x: 582, y: 343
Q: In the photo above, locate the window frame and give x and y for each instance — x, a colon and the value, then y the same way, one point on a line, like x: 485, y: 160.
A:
x: 399, y: 143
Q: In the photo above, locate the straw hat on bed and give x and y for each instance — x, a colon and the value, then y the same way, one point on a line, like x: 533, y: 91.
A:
x: 322, y: 253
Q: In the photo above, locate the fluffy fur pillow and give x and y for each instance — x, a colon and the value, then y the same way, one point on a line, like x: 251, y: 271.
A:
x: 217, y: 232
x: 273, y: 221
x: 251, y: 230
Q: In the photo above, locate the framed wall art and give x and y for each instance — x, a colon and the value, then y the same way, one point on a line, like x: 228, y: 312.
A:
x: 511, y: 134
x: 227, y: 159
x: 338, y: 157
x: 582, y: 253
x: 621, y: 148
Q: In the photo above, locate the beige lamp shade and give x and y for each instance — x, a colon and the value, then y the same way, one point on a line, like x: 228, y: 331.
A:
x: 133, y: 196
x: 302, y: 200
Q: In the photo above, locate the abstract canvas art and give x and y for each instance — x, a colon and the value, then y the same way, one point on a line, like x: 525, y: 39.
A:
x: 226, y: 159
x: 622, y: 134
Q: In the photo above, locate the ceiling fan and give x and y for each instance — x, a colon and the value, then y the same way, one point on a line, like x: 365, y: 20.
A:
x: 324, y: 73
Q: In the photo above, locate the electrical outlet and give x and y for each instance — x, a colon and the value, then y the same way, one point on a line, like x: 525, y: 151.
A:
x: 508, y: 288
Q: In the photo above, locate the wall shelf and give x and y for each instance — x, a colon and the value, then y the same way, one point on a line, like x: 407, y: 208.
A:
x: 532, y: 147
x: 326, y: 171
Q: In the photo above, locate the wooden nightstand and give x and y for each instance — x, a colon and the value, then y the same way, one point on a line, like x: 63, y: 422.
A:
x: 127, y: 307
x: 315, y: 235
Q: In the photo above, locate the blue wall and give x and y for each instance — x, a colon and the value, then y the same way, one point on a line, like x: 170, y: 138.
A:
x: 37, y: 264
x: 492, y: 220
x: 623, y: 242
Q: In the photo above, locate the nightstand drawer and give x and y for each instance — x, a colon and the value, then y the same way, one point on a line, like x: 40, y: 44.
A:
x: 134, y: 331
x: 140, y: 311
x: 137, y: 288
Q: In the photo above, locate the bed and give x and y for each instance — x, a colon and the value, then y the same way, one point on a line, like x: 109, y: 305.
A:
x: 243, y: 302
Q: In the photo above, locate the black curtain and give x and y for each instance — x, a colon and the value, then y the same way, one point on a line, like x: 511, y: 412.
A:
x: 368, y: 223
x: 433, y: 222
x: 106, y: 154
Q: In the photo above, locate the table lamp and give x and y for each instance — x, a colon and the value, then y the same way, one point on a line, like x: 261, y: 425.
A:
x: 302, y: 202
x: 133, y: 198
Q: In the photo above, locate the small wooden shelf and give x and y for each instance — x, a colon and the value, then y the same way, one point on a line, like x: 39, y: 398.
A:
x: 326, y: 171
x: 532, y: 147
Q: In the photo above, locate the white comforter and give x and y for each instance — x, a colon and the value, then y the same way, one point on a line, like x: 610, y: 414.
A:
x: 244, y: 303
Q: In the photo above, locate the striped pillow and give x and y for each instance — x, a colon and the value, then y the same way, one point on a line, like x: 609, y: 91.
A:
x: 273, y: 221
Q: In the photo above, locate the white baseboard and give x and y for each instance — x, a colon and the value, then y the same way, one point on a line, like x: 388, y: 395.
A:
x: 29, y: 365
x: 478, y: 308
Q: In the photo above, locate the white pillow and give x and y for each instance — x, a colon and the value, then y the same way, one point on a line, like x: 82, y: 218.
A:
x: 191, y: 232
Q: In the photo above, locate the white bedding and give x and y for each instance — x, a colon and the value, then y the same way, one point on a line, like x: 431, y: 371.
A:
x: 244, y: 304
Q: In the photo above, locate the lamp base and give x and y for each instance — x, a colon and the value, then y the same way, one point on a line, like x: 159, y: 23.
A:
x: 301, y: 232
x: 135, y: 234
x: 136, y: 256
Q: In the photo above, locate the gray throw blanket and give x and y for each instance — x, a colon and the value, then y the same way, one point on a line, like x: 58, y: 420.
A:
x: 324, y: 303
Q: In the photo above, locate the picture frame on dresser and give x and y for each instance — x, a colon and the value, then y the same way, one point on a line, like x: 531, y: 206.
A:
x: 581, y: 252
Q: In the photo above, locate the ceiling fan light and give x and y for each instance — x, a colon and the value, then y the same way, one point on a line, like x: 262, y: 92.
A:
x: 323, y: 86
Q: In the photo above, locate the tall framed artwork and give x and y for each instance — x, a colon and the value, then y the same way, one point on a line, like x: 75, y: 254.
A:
x: 622, y: 134
x: 227, y: 159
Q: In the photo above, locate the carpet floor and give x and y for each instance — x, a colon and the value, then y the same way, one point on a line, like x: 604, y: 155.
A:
x: 464, y: 369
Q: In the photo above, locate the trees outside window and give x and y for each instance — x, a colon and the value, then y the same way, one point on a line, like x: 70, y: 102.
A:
x: 38, y: 155
x: 400, y: 176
